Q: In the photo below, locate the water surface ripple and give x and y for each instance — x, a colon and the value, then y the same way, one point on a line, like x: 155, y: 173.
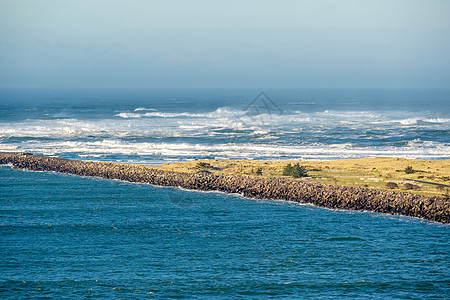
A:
x: 63, y: 236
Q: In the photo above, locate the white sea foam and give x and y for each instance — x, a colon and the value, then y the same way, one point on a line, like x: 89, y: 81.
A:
x: 425, y: 150
x: 438, y: 120
x: 92, y: 138
x: 9, y: 148
x: 141, y: 112
x: 415, y: 121
x: 410, y: 121
x: 128, y: 115
x: 173, y: 115
x: 144, y: 109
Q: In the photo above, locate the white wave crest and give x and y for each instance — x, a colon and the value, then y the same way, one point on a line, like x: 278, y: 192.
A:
x: 183, y: 151
x: 144, y: 109
x: 438, y: 120
x: 116, y: 135
x: 128, y: 115
x: 418, y: 121
x: 222, y: 112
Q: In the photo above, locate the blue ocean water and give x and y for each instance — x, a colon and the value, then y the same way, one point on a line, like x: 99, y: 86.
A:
x: 63, y: 236
x: 69, y: 237
x: 149, y: 126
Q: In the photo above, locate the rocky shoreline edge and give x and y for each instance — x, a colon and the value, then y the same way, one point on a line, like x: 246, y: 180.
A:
x: 322, y: 195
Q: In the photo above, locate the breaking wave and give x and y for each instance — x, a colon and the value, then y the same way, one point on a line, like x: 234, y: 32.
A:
x: 232, y: 133
x: 182, y: 151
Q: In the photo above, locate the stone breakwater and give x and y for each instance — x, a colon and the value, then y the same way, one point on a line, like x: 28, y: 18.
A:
x: 329, y: 196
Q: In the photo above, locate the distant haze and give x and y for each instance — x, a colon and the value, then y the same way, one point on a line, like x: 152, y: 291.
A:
x: 205, y: 43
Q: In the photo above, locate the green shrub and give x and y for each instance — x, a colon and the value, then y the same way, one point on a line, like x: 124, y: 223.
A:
x: 409, y: 170
x: 295, y: 171
x: 259, y: 171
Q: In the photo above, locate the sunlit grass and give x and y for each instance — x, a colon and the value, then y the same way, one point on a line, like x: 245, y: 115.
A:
x: 365, y: 172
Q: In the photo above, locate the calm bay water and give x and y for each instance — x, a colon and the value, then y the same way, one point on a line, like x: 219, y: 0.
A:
x: 63, y: 236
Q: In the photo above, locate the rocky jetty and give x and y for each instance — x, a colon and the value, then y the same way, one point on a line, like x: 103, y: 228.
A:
x: 329, y: 196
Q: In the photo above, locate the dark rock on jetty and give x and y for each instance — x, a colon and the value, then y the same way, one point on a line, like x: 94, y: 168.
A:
x: 329, y: 196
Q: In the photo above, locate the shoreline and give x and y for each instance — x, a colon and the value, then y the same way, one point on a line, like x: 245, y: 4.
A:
x: 338, y: 197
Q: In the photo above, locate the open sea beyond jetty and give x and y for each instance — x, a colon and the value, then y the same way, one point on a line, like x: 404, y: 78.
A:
x: 63, y: 236
x: 146, y: 126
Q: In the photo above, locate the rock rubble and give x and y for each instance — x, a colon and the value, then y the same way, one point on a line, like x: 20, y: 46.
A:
x: 322, y: 195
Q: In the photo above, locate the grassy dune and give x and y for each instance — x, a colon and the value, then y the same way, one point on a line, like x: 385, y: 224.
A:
x: 365, y: 172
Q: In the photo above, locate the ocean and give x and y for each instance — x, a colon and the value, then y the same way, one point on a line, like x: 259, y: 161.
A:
x: 155, y: 126
x: 66, y: 237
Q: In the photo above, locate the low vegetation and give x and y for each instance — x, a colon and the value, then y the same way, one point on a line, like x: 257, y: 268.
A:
x: 366, y: 172
x: 409, y: 170
x: 295, y: 171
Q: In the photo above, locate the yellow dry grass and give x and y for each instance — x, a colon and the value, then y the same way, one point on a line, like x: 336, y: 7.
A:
x: 368, y: 172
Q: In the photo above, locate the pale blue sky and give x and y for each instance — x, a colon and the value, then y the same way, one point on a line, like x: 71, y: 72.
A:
x: 206, y: 43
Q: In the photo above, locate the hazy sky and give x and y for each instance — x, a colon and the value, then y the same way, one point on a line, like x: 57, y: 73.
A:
x: 207, y: 43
